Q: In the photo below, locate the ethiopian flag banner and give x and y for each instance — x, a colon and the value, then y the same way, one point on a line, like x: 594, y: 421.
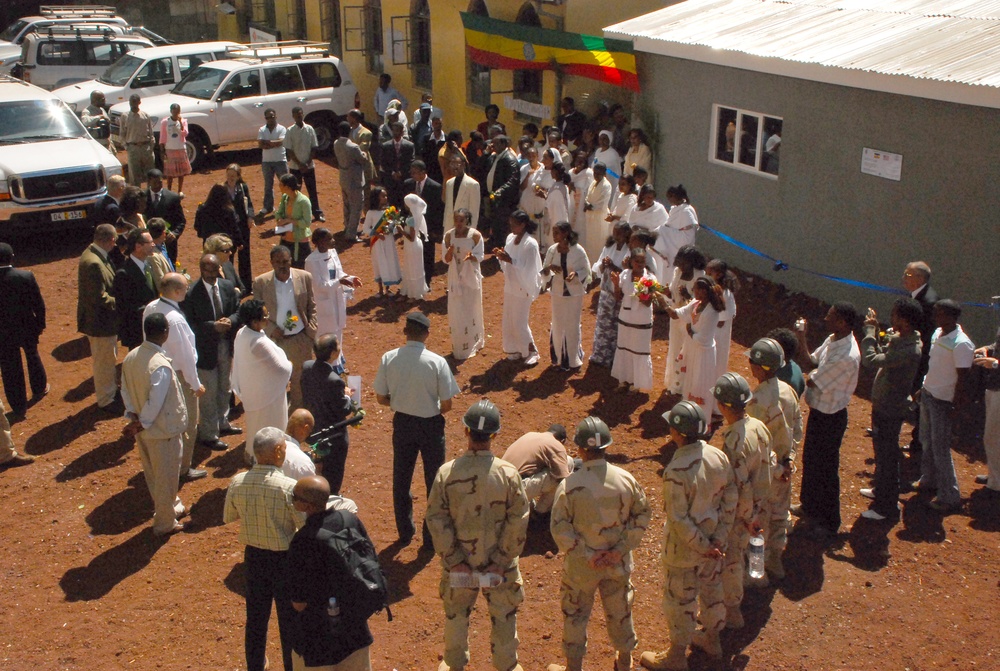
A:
x: 511, y: 46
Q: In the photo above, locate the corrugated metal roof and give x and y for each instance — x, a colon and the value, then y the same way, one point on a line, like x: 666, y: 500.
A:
x: 954, y: 43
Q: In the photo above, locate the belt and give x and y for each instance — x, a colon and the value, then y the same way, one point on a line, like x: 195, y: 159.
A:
x: 133, y: 144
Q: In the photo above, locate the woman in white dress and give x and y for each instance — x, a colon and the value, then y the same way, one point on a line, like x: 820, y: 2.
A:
x: 414, y: 285
x: 555, y: 191
x: 633, y: 364
x: 639, y: 154
x: 596, y: 228
x: 611, y: 260
x: 689, y: 265
x: 651, y: 216
x: 626, y: 200
x: 682, y: 222
x: 385, y: 260
x: 331, y: 286
x: 701, y: 323
x: 581, y: 177
x: 521, y: 265
x: 260, y: 375
x: 719, y: 271
x: 567, y: 264
x: 607, y: 155
x: 463, y: 252
x: 531, y: 177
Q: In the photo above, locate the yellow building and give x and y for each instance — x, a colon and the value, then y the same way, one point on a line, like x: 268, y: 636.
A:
x: 421, y: 44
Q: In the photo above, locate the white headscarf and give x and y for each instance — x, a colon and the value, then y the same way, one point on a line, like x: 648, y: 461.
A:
x: 417, y: 207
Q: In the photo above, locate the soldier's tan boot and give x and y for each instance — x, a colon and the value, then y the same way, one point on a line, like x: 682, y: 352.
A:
x: 444, y: 667
x: 734, y: 618
x: 673, y: 659
x: 571, y: 665
x: 707, y: 641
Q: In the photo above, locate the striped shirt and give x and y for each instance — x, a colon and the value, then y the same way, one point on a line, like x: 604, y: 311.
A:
x: 262, y: 498
x: 836, y: 374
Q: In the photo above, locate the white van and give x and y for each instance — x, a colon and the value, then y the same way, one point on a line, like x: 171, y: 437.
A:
x: 52, y: 172
x: 68, y: 54
x: 52, y: 15
x: 147, y: 72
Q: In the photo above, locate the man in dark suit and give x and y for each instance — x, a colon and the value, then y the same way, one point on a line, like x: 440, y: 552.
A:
x: 431, y: 193
x: 23, y: 321
x: 396, y: 157
x: 108, y: 210
x: 571, y: 122
x: 133, y: 288
x: 917, y: 281
x: 212, y: 307
x: 96, y: 316
x: 165, y: 204
x: 501, y: 190
x: 324, y: 394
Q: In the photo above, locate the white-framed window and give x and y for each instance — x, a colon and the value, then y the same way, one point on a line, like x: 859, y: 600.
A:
x: 745, y: 140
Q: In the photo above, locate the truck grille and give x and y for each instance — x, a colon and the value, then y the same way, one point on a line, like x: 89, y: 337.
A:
x: 116, y: 123
x: 56, y: 186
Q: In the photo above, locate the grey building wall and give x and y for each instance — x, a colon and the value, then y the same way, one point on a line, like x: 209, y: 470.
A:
x: 822, y: 213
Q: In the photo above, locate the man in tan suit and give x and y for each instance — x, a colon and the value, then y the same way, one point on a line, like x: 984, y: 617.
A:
x: 287, y: 293
x: 362, y: 137
x: 154, y: 402
x: 468, y: 195
x: 96, y: 317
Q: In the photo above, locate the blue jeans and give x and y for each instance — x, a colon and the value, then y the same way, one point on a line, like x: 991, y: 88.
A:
x: 270, y: 170
x: 936, y: 467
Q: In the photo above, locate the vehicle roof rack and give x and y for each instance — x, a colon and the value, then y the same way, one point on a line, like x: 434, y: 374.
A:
x: 286, y: 50
x: 87, y: 30
x: 78, y: 11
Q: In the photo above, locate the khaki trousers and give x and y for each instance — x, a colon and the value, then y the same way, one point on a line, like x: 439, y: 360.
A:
x: 140, y: 161
x: 359, y: 660
x: 104, y: 357
x: 7, y: 451
x: 734, y: 564
x: 161, y: 465
x: 191, y: 432
x: 777, y: 522
x: 684, y: 588
x: 299, y: 349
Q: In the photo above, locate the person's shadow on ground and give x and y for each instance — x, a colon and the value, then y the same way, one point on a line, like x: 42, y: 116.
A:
x: 108, y: 569
x: 399, y: 573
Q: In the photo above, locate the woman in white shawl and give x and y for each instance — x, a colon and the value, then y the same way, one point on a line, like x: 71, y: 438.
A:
x: 546, y: 182
x: 633, y: 364
x: 581, y: 177
x: 532, y: 174
x: 414, y: 284
x: 624, y: 201
x: 689, y: 265
x: 385, y: 260
x: 260, y: 375
x: 682, y: 222
x: 331, y: 286
x: 639, y: 154
x: 595, y: 206
x: 609, y: 262
x: 521, y: 266
x: 607, y: 155
x: 651, y: 216
x: 558, y: 199
x: 463, y: 252
x: 567, y: 263
x: 700, y: 318
x: 719, y: 271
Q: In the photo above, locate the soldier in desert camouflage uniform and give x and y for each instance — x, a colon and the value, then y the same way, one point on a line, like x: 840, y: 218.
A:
x: 776, y: 404
x: 599, y: 516
x: 699, y: 499
x: 747, y: 444
x: 477, y: 513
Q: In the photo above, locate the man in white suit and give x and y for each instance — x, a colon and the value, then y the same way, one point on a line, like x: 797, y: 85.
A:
x: 466, y: 194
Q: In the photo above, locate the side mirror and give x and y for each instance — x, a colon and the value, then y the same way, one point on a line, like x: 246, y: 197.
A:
x: 101, y: 130
x: 225, y: 95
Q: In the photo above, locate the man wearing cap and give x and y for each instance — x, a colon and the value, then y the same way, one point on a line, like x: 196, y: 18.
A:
x: 477, y: 513
x: 599, y: 516
x: 775, y: 404
x: 418, y: 385
x: 699, y: 499
x: 542, y: 462
x: 747, y: 444
x: 421, y: 129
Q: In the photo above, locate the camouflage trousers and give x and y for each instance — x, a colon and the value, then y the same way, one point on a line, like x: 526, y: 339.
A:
x: 777, y: 522
x: 734, y: 564
x: 502, y: 601
x: 579, y: 583
x: 684, y: 588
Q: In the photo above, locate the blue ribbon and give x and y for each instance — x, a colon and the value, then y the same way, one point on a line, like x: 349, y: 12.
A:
x: 779, y: 265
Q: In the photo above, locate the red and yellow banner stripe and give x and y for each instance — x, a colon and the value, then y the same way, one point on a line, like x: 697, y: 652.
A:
x: 511, y: 46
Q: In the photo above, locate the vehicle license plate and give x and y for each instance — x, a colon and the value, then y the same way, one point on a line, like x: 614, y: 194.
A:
x: 69, y: 216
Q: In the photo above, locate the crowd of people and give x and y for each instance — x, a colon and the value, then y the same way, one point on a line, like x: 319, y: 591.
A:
x: 564, y: 214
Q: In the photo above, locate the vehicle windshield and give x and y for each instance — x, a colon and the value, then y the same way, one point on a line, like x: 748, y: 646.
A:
x: 37, y: 120
x: 12, y: 30
x: 121, y: 71
x: 200, y: 83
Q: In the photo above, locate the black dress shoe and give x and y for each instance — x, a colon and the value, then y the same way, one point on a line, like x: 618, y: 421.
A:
x: 215, y: 445
x: 116, y: 407
x: 230, y: 431
x: 193, y: 474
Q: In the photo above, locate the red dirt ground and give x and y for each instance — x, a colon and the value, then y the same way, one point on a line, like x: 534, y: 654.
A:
x: 86, y: 586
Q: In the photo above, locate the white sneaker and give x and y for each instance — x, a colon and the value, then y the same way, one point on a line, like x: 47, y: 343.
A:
x: 872, y: 515
x: 867, y: 492
x: 532, y: 359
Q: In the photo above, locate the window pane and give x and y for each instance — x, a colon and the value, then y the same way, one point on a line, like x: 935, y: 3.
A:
x: 749, y: 130
x: 155, y: 73
x: 283, y: 79
x: 772, y: 145
x: 725, y: 141
x: 244, y: 84
x: 320, y: 75
x: 186, y: 63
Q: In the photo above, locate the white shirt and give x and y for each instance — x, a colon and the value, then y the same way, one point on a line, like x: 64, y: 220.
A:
x: 179, y: 347
x: 213, y: 292
x: 836, y: 375
x: 415, y: 379
x: 383, y: 98
x: 159, y: 385
x: 285, y: 293
x: 948, y: 354
x: 301, y: 141
x: 139, y: 262
x: 913, y: 294
x: 297, y: 464
x: 277, y: 154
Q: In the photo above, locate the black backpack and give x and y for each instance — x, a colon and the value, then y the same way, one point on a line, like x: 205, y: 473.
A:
x: 362, y: 589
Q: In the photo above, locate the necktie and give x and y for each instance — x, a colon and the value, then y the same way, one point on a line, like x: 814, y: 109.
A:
x: 149, y: 276
x: 216, y: 302
x: 420, y: 187
x: 156, y: 198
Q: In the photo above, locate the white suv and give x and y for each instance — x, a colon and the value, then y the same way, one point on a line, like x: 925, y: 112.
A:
x: 224, y: 101
x: 52, y: 15
x: 67, y: 54
x: 52, y: 172
x: 147, y: 72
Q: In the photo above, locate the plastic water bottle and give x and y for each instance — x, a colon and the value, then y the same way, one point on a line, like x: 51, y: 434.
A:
x: 332, y: 607
x: 459, y: 580
x: 756, y: 556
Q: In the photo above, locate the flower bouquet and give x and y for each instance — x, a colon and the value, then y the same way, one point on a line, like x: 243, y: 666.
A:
x: 646, y: 289
x: 387, y: 225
